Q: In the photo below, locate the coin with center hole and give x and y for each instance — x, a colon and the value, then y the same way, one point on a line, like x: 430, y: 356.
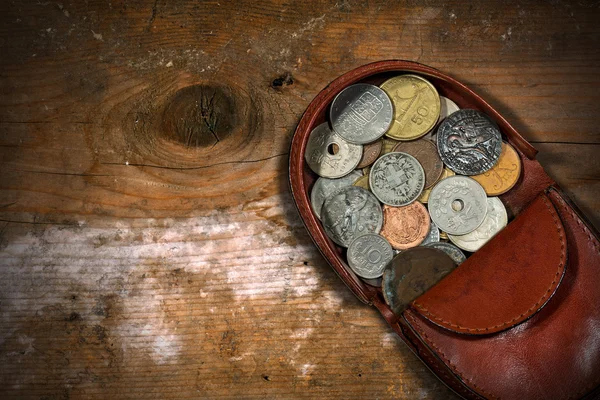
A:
x: 324, y: 187
x: 330, y: 156
x: 495, y: 220
x: 427, y: 155
x: 397, y: 179
x: 368, y: 255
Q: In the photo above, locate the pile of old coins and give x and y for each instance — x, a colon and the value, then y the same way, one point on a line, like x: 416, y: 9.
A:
x: 408, y: 183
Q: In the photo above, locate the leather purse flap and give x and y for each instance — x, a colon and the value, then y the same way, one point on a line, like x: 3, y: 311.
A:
x: 505, y: 282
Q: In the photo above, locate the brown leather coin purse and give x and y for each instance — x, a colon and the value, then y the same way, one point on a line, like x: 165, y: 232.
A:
x: 520, y: 319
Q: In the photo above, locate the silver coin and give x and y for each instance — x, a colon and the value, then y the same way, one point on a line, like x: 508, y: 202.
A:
x: 457, y: 205
x: 324, y: 187
x: 454, y: 252
x: 361, y: 113
x: 368, y: 255
x: 495, y: 220
x: 351, y: 212
x: 432, y: 236
x: 397, y: 179
x: 330, y: 156
x: 447, y: 107
x: 469, y: 142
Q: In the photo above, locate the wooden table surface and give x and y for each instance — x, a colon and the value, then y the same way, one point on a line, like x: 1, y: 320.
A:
x: 149, y: 245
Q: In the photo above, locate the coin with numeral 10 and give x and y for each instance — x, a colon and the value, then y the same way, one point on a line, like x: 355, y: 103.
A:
x: 368, y: 255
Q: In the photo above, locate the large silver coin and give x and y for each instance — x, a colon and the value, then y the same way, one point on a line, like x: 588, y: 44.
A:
x: 457, y: 205
x: 324, y: 187
x: 361, y: 113
x: 368, y: 255
x: 432, y: 236
x: 450, y: 249
x: 397, y: 179
x: 495, y: 220
x: 351, y: 212
x: 469, y: 142
x: 330, y: 156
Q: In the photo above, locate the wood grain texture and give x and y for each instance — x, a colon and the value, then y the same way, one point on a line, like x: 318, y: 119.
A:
x: 149, y: 246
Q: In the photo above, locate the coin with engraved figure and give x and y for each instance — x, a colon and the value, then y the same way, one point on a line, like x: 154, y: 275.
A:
x: 469, y: 142
x: 457, y: 205
x: 330, y: 156
x: 361, y: 113
x: 416, y: 106
x: 495, y: 220
x: 450, y: 249
x: 424, y: 197
x: 405, y: 227
x: 397, y: 179
x: 351, y: 212
x: 447, y: 107
x: 371, y: 152
x: 427, y: 155
x: 432, y: 236
x: 502, y: 176
x: 412, y: 273
x: 324, y: 187
x: 368, y: 255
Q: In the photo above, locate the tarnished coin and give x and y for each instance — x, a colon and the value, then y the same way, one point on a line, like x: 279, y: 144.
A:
x: 454, y: 252
x: 361, y: 113
x: 427, y: 155
x: 424, y: 197
x: 330, y: 156
x: 324, y: 187
x: 469, y: 142
x: 504, y: 175
x: 432, y: 236
x: 495, y: 220
x: 397, y: 179
x: 457, y: 205
x: 388, y: 145
x: 349, y: 213
x: 405, y: 227
x: 368, y: 255
x: 411, y: 273
x: 363, y: 182
x: 371, y: 152
x: 416, y: 106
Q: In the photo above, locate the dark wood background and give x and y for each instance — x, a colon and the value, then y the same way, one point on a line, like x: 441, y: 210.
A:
x: 149, y: 245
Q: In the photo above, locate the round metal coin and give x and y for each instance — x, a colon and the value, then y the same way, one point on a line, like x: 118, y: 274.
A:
x: 324, y: 187
x: 368, y: 255
x: 432, y: 236
x: 413, y: 272
x: 370, y: 153
x: 330, y: 156
x: 363, y: 182
x: 405, y: 227
x: 351, y: 212
x: 416, y: 106
x: 450, y: 249
x: 397, y: 179
x: 361, y: 113
x: 469, y: 142
x: 502, y: 176
x: 424, y: 197
x: 427, y: 155
x: 495, y: 220
x: 447, y: 107
x: 457, y: 205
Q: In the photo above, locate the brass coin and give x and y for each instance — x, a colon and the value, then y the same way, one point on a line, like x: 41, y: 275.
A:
x: 502, y: 176
x: 424, y: 198
x: 444, y: 235
x: 405, y: 227
x: 388, y: 145
x: 416, y: 106
x: 427, y: 155
x: 366, y: 170
x: 363, y: 182
x: 413, y: 272
x: 371, y: 152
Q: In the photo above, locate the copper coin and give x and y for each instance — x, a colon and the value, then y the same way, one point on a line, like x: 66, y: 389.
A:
x: 424, y: 198
x: 370, y: 153
x: 502, y: 176
x: 427, y: 155
x: 405, y: 227
x: 413, y: 272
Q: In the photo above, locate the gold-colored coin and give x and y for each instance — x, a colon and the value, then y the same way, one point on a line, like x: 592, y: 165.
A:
x: 443, y: 235
x: 424, y: 198
x: 363, y: 182
x: 502, y: 176
x: 388, y: 146
x: 416, y: 106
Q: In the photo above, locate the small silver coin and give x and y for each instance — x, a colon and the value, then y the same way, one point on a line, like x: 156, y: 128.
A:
x: 368, y: 255
x: 469, y: 142
x: 495, y: 220
x: 448, y: 107
x: 361, y: 113
x: 454, y: 252
x: 330, y: 156
x: 351, y: 212
x: 324, y: 187
x: 457, y: 205
x: 432, y: 236
x: 397, y: 179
